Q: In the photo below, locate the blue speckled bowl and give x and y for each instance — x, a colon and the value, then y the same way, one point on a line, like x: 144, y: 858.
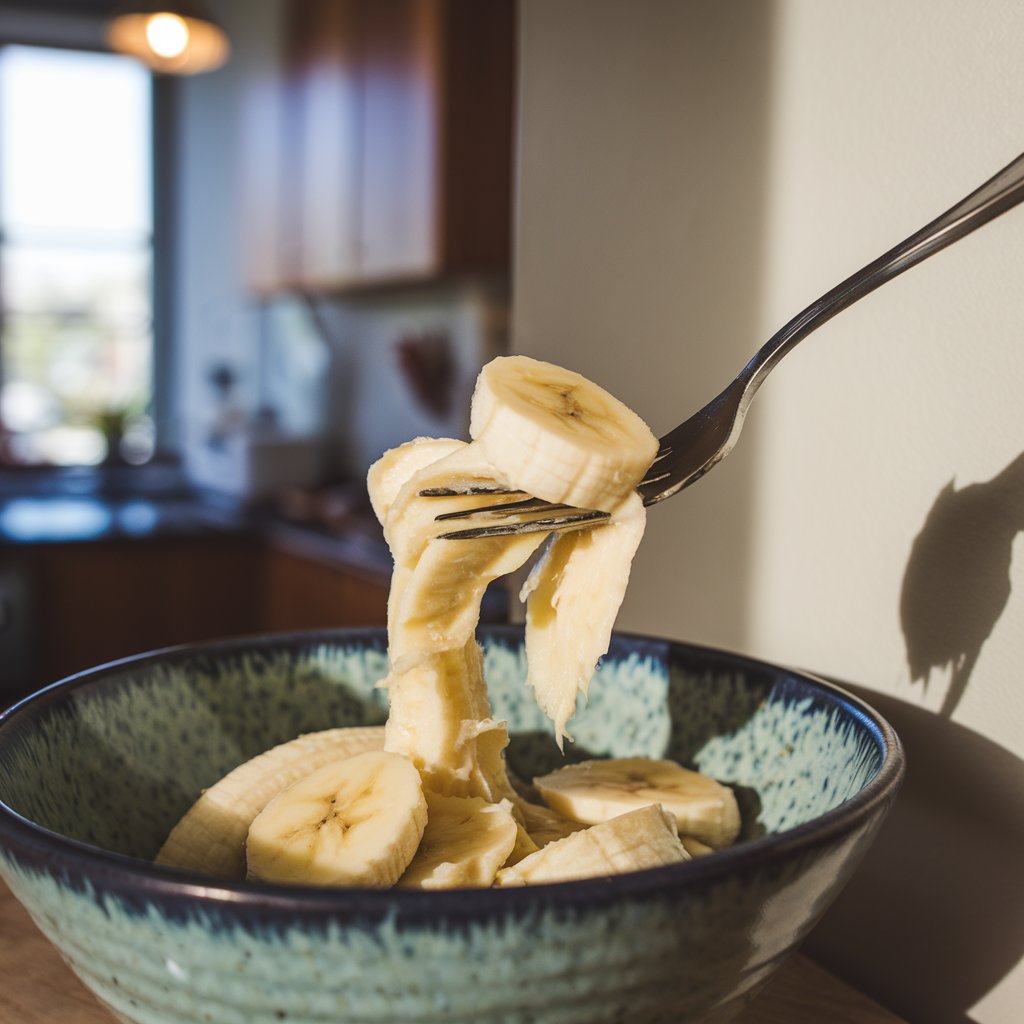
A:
x: 94, y: 771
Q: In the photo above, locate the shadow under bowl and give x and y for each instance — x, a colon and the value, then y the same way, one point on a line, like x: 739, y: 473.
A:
x: 95, y: 770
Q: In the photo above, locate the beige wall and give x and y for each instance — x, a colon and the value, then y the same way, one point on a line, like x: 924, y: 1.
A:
x: 691, y: 175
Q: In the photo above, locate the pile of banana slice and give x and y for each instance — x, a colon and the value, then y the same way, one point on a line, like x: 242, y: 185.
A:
x: 425, y: 801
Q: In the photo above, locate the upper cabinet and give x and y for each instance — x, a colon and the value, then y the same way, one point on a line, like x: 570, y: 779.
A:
x: 384, y: 152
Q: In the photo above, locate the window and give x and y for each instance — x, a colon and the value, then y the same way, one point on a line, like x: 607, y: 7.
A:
x: 76, y: 257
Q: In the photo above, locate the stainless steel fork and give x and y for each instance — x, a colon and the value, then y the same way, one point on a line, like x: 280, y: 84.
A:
x: 701, y: 442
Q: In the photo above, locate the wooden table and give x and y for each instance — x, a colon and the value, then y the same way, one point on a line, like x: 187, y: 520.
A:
x: 38, y: 988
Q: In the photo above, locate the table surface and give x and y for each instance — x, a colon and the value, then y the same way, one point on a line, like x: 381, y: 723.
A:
x: 38, y: 988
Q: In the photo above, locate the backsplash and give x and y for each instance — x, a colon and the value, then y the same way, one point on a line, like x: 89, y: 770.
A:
x: 354, y: 375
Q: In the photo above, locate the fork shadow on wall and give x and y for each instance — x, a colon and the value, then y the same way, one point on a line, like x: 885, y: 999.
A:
x: 957, y: 580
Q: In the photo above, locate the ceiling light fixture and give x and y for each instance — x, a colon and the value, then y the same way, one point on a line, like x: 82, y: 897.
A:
x: 177, y: 37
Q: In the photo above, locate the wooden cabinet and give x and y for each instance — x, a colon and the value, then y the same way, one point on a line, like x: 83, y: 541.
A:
x: 79, y: 605
x: 300, y: 593
x: 96, y: 602
x: 394, y: 145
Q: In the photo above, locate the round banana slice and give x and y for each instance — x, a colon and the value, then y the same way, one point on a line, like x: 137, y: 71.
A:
x: 210, y: 838
x: 594, y: 791
x: 557, y: 435
x: 466, y: 841
x: 353, y: 822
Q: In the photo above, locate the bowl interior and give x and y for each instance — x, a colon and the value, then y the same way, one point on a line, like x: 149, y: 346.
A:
x: 115, y: 757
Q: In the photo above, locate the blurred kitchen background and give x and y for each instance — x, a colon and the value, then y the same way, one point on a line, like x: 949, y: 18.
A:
x: 225, y: 293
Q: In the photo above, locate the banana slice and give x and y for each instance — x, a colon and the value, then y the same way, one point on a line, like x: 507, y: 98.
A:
x: 557, y: 435
x: 210, y: 838
x: 352, y: 822
x: 572, y: 597
x: 466, y: 841
x: 644, y: 838
x: 594, y: 791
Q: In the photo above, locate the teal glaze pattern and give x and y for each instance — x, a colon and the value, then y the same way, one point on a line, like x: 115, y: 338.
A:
x: 660, y: 960
x: 112, y: 760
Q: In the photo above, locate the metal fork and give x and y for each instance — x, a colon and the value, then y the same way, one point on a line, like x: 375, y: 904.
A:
x: 701, y: 442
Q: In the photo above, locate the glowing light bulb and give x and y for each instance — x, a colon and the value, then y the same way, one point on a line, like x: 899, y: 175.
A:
x: 167, y: 35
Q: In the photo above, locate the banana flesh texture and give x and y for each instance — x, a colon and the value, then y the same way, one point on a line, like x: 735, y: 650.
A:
x: 440, y: 715
x: 542, y: 825
x: 210, y: 838
x: 595, y: 791
x: 435, y: 808
x: 694, y: 847
x: 466, y: 841
x: 580, y: 579
x: 644, y: 838
x: 356, y: 822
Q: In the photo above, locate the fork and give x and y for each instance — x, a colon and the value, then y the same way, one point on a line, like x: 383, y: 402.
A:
x: 701, y: 442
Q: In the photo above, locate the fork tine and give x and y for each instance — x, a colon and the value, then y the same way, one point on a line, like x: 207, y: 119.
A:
x: 548, y: 524
x: 455, y: 492
x: 525, y: 506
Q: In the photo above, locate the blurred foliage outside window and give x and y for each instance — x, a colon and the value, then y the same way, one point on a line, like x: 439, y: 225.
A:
x: 76, y: 254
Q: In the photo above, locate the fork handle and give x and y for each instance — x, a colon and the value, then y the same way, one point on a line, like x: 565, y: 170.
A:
x: 1001, y: 192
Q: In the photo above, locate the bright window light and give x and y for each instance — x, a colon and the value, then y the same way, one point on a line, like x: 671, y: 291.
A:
x: 75, y: 253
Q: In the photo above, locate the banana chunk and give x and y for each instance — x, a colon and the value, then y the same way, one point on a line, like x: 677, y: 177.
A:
x: 466, y: 841
x: 210, y: 838
x: 594, y: 791
x: 352, y: 822
x: 557, y: 435
x: 572, y: 595
x: 644, y: 838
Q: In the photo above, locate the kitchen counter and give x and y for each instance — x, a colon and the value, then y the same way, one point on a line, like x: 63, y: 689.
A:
x: 117, y: 565
x: 59, y: 507
x: 99, y: 565
x: 39, y: 988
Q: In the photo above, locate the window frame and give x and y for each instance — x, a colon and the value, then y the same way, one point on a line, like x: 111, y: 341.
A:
x: 58, y: 34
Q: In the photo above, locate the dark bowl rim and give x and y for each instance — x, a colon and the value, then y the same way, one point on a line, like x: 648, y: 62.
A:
x: 137, y: 881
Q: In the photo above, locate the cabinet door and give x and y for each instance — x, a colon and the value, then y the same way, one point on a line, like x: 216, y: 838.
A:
x: 401, y: 129
x: 393, y: 135
x: 110, y: 599
x: 263, y: 185
x: 303, y: 594
x: 322, y: 142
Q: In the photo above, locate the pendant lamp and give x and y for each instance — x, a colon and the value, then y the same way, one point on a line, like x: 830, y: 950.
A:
x: 177, y: 37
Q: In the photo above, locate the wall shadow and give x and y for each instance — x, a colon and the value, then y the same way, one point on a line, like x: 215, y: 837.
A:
x: 938, y: 896
x: 957, y: 580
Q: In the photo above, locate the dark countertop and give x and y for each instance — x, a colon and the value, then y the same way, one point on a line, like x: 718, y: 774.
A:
x: 81, y: 506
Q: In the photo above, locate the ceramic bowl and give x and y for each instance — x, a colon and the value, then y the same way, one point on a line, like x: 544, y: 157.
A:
x: 94, y: 771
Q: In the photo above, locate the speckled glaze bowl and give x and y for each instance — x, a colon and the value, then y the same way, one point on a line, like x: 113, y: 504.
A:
x: 94, y: 771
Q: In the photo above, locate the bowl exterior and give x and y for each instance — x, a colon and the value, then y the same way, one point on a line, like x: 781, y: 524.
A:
x: 693, y: 942
x: 675, y: 953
